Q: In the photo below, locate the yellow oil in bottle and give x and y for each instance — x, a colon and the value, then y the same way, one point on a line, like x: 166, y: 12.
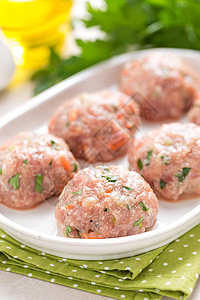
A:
x: 32, y: 26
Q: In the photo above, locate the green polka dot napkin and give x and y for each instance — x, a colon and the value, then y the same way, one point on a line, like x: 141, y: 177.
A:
x: 171, y: 270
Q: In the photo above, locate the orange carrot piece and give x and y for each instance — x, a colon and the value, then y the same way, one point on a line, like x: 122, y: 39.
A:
x: 3, y: 148
x: 148, y: 189
x: 139, y: 145
x: 125, y: 72
x: 52, y: 121
x: 73, y: 115
x: 120, y: 116
x: 116, y: 145
x: 69, y: 206
x: 109, y: 190
x: 91, y: 235
x: 130, y: 126
x: 65, y: 163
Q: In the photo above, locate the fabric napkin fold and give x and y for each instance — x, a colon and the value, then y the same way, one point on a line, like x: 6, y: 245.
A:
x: 171, y: 270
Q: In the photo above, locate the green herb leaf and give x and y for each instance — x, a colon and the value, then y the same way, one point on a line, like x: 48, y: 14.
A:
x: 156, y: 24
x: 9, y: 149
x: 138, y: 222
x: 162, y: 184
x: 141, y: 204
x: 38, y: 183
x: 0, y: 171
x: 165, y: 159
x: 106, y: 168
x: 68, y: 230
x: 50, y: 163
x: 75, y: 167
x: 182, y: 174
x: 148, y: 158
x: 26, y: 162
x: 114, y: 107
x: 111, y: 178
x: 14, y: 181
x: 67, y: 125
x: 139, y: 163
x: 76, y: 193
x: 105, y: 209
x: 114, y: 220
x: 127, y: 188
x: 128, y: 207
x: 53, y: 143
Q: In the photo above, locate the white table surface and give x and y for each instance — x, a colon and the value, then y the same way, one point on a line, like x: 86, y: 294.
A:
x: 19, y: 287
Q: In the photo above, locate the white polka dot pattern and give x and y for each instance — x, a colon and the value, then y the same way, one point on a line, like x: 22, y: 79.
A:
x: 166, y: 266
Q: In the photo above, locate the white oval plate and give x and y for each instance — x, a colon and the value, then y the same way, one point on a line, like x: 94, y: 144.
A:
x: 37, y: 227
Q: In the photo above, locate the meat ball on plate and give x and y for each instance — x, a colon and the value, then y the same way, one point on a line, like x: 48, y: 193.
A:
x: 97, y: 126
x: 34, y: 167
x: 168, y: 159
x: 194, y: 113
x: 163, y: 84
x: 106, y: 202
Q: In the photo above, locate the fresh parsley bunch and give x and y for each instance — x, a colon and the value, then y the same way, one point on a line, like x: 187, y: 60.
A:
x: 128, y: 24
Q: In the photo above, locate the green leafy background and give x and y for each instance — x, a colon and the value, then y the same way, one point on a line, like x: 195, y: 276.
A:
x: 128, y: 25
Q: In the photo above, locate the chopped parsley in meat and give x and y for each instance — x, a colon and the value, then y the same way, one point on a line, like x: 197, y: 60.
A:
x: 76, y: 193
x: 106, y: 169
x: 128, y: 207
x: 114, y: 107
x: 139, y: 222
x: 142, y: 205
x: 165, y: 159
x: 9, y: 149
x: 14, y: 181
x: 25, y: 162
x: 67, y: 125
x: 127, y: 188
x: 53, y: 143
x: 75, y: 168
x: 148, y: 158
x: 182, y: 174
x: 0, y: 171
x: 162, y: 184
x: 110, y: 178
x: 156, y: 93
x: 50, y: 163
x: 105, y: 209
x: 139, y: 163
x: 38, y: 183
x: 114, y: 220
x: 68, y: 230
x: 167, y: 143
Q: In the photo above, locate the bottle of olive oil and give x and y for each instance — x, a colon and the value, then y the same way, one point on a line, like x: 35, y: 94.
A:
x: 32, y: 26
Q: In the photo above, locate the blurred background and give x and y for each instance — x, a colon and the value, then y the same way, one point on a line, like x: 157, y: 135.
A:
x: 43, y: 42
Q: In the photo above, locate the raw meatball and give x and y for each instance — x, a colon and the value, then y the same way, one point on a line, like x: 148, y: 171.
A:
x: 168, y: 159
x: 97, y: 126
x: 34, y: 167
x: 194, y: 113
x: 106, y: 202
x: 163, y: 84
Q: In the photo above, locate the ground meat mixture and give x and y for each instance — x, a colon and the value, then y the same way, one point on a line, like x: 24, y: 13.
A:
x: 168, y: 159
x: 34, y: 167
x: 97, y: 126
x: 106, y: 202
x: 163, y: 84
x: 194, y: 113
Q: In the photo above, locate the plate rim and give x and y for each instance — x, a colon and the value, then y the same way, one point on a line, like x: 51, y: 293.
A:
x: 194, y: 213
x: 55, y: 90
